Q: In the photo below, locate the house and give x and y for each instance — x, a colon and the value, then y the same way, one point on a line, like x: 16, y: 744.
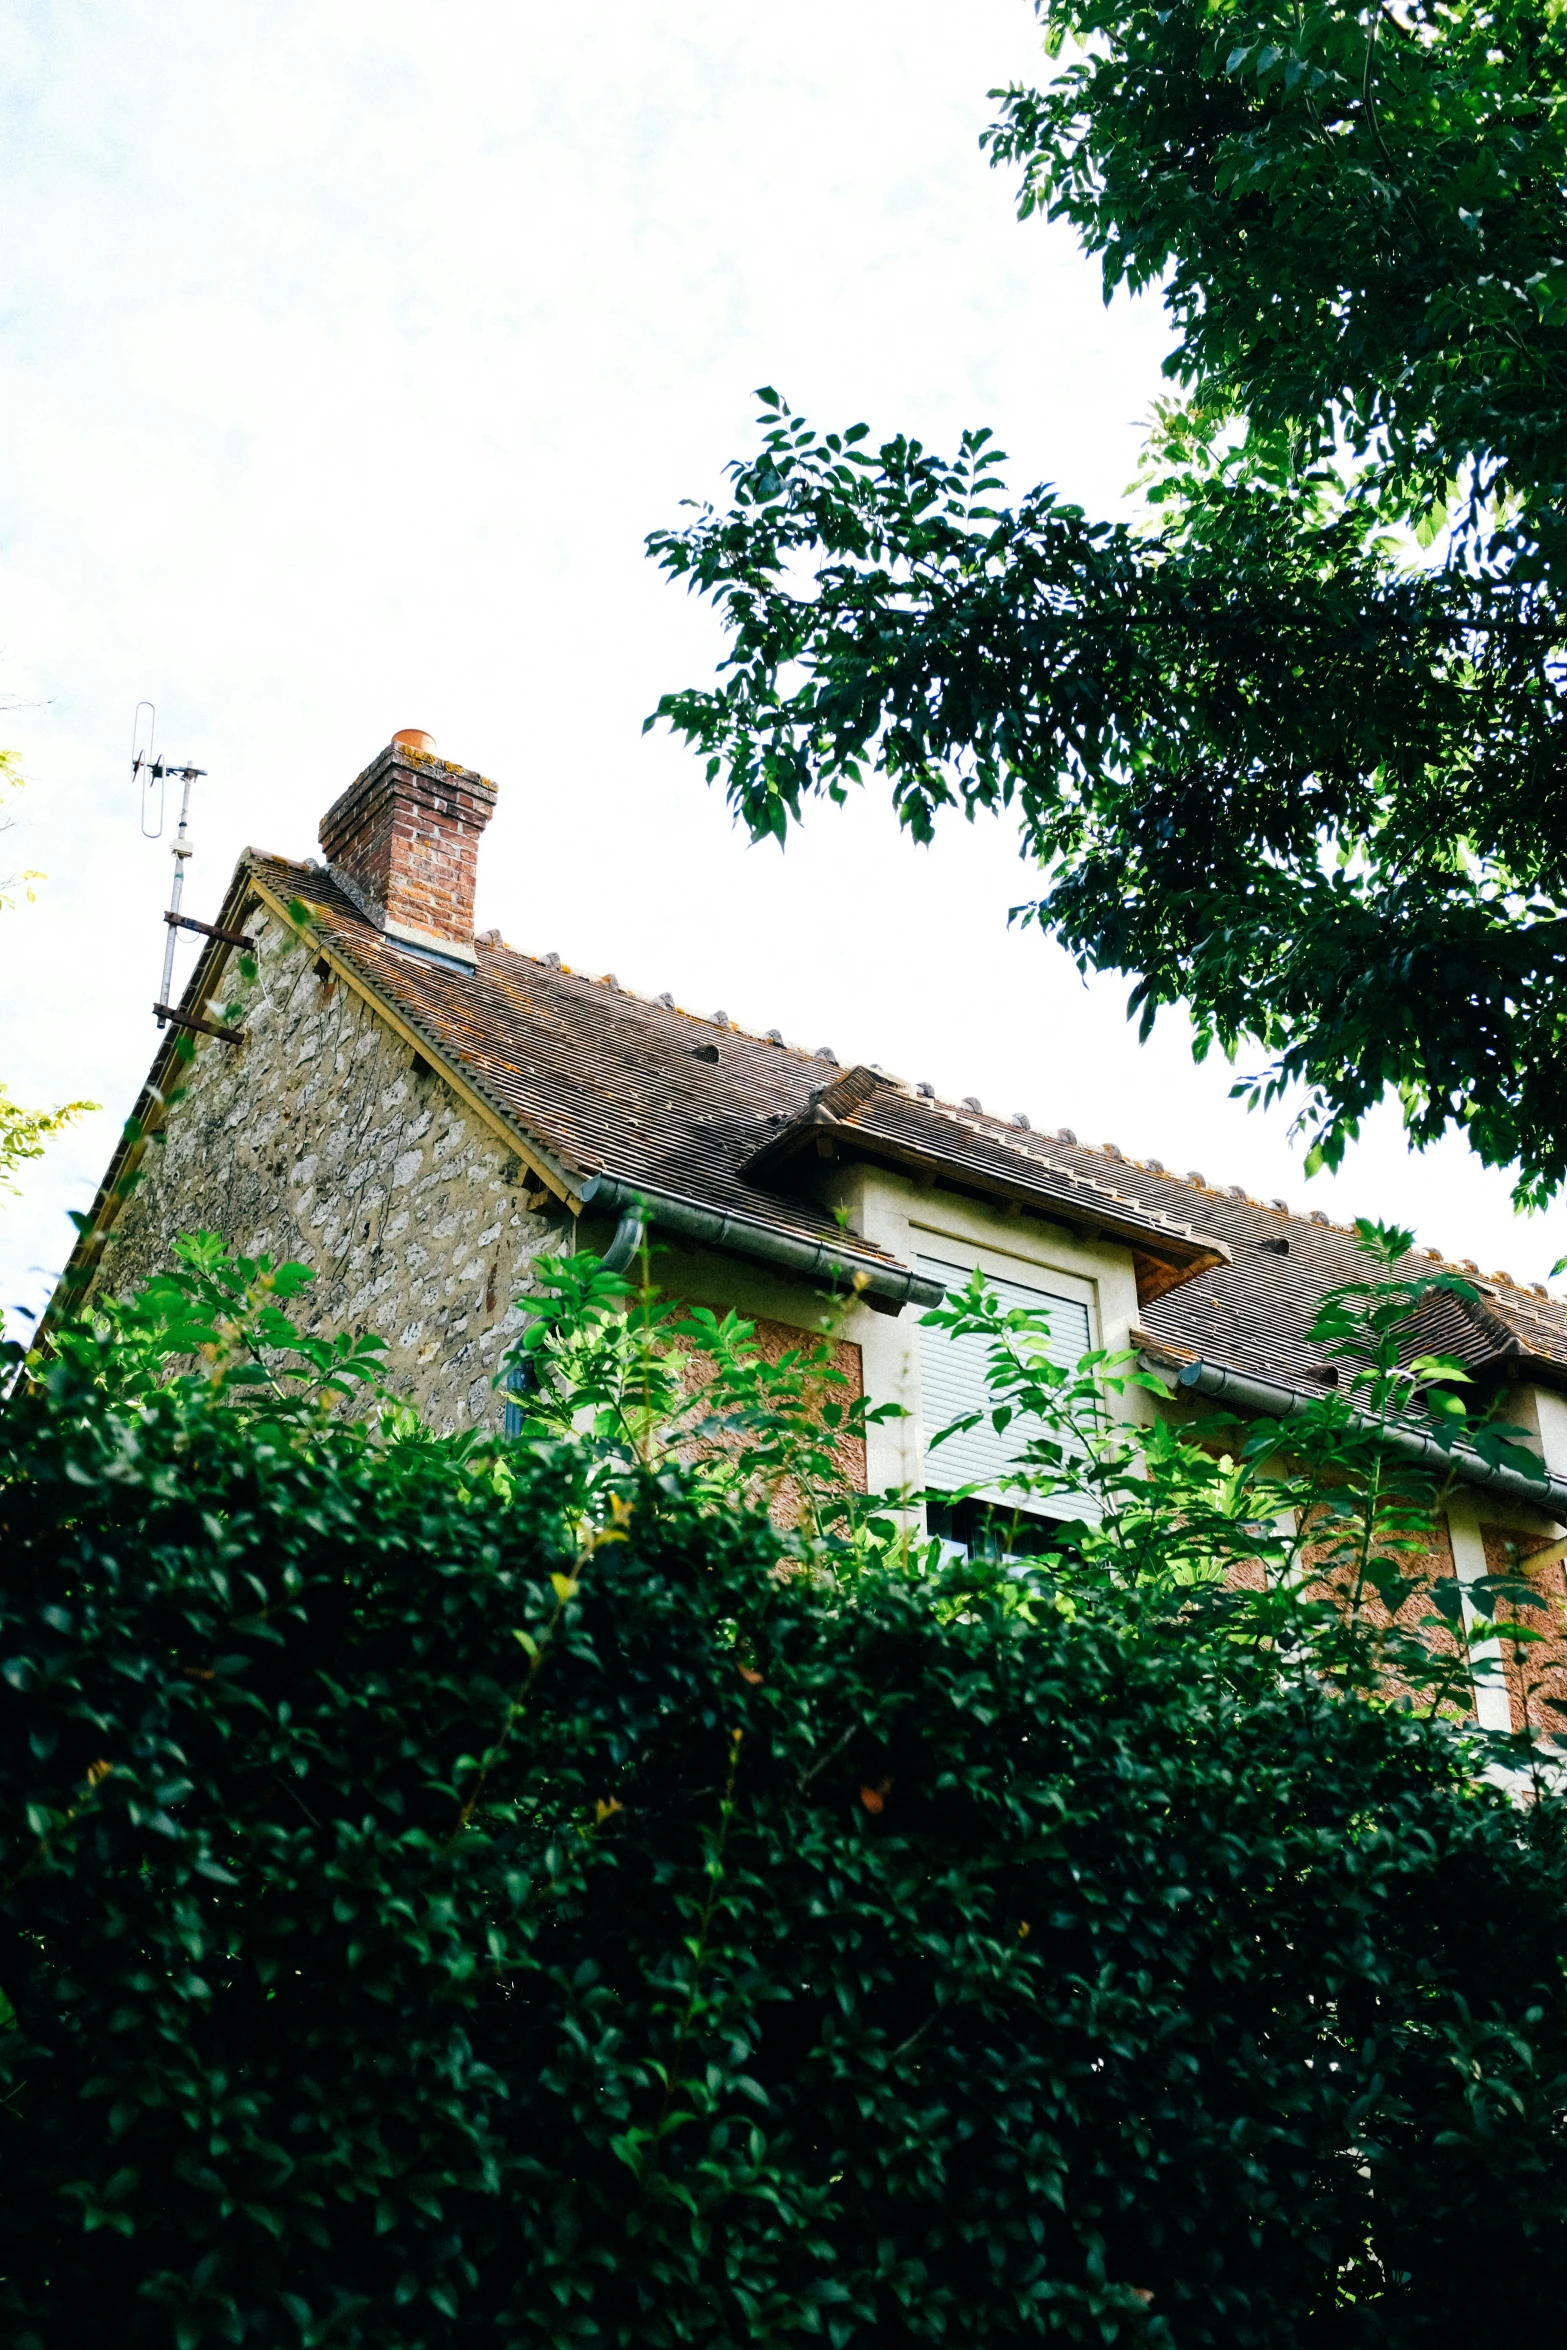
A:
x: 418, y: 1113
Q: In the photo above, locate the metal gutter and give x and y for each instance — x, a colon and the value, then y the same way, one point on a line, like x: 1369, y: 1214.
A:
x: 1279, y: 1401
x: 630, y: 1233
x: 890, y: 1285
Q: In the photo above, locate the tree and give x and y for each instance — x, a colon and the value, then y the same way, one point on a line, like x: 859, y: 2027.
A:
x: 460, y: 1891
x: 1291, y: 749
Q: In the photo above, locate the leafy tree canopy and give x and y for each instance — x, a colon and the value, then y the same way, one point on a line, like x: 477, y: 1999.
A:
x: 1291, y: 749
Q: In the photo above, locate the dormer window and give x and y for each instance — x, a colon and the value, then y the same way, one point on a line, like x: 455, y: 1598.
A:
x: 953, y: 1384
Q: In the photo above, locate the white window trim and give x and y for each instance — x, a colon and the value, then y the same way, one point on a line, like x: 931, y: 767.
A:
x: 909, y: 1219
x: 1493, y: 1699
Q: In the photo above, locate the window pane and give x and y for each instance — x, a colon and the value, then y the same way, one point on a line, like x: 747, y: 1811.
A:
x: 952, y: 1382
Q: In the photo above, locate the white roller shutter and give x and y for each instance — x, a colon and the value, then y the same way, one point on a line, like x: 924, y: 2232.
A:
x: 952, y: 1382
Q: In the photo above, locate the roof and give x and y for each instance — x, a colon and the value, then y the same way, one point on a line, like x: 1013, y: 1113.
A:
x: 1252, y: 1314
x: 869, y: 1114
x: 1250, y: 1300
x: 605, y: 1083
x: 594, y: 1081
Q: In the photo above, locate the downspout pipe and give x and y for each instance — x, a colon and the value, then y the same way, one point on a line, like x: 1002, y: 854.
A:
x: 630, y: 1233
x: 1278, y: 1401
x: 889, y: 1286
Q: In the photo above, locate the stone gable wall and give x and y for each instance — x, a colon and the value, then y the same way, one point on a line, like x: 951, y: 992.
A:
x: 319, y: 1140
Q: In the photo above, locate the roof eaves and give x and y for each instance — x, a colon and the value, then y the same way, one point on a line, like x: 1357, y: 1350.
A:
x: 843, y: 1111
x: 1161, y: 1353
x: 881, y: 1278
x: 1285, y: 1399
x: 1518, y: 1367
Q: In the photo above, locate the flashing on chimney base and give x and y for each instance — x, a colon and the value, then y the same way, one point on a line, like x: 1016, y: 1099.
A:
x: 447, y: 957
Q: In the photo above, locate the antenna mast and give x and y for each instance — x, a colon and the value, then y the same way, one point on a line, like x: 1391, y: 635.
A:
x: 148, y: 771
x: 184, y: 847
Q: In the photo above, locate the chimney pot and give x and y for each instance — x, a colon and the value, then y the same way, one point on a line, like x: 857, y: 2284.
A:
x: 403, y: 843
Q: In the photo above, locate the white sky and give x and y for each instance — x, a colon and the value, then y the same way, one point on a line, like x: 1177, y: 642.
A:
x: 346, y: 356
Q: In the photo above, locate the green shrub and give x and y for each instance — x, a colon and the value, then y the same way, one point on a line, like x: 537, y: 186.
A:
x: 496, y: 1895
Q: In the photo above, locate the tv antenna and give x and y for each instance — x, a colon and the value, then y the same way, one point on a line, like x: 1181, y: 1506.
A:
x: 152, y: 775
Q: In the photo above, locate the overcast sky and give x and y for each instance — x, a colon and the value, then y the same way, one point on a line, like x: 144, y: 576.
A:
x: 347, y: 355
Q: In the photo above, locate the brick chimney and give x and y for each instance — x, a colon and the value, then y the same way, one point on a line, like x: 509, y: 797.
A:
x: 403, y: 843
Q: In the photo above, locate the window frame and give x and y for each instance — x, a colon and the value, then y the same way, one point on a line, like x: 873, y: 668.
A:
x: 996, y: 1262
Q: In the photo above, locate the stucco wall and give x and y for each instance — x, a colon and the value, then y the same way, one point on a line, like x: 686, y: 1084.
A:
x: 319, y: 1140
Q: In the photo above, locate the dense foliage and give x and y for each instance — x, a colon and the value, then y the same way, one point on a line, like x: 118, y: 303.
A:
x: 1292, y: 748
x: 460, y: 1892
